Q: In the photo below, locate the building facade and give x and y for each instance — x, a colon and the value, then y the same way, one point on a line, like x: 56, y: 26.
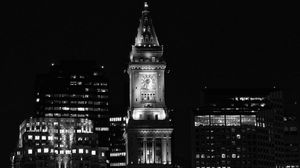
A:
x: 148, y: 132
x: 75, y: 89
x: 117, y: 148
x: 239, y: 129
x: 58, y: 143
x: 292, y: 142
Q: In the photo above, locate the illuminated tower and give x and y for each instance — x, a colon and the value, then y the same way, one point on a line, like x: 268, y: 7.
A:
x: 148, y: 133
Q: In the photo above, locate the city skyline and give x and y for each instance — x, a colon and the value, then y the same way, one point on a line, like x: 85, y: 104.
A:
x: 184, y: 70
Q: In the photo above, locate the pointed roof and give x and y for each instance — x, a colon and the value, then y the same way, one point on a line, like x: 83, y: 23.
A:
x: 146, y: 33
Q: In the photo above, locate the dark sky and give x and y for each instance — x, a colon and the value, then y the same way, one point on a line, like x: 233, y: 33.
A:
x: 218, y: 44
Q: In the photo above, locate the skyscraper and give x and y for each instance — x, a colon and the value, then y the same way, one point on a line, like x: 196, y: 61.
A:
x: 148, y: 132
x: 77, y: 89
x: 239, y: 128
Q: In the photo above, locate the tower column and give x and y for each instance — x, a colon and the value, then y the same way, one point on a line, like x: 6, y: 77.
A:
x: 169, y: 150
x: 144, y: 150
x: 153, y: 150
x: 164, y: 150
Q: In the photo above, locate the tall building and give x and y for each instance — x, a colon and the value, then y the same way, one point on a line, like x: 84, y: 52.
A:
x: 239, y: 129
x: 77, y: 89
x: 292, y: 142
x: 58, y: 143
x: 117, y: 148
x: 148, y: 132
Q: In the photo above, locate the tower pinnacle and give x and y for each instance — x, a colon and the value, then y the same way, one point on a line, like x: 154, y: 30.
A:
x: 146, y: 35
x: 145, y: 5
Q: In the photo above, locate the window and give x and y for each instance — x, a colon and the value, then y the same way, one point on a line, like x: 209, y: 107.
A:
x: 29, y: 151
x: 232, y: 120
x: 43, y: 137
x: 37, y: 137
x: 93, y: 152
x: 248, y: 119
x: 73, y: 150
x: 217, y: 120
x: 80, y: 150
x: 46, y: 150
x: 201, y: 120
x: 39, y: 150
x: 29, y: 136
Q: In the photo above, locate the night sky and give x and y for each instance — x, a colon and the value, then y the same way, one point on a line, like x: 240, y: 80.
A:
x: 218, y: 44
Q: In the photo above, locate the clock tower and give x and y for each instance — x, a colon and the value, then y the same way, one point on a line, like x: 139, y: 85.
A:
x: 148, y: 132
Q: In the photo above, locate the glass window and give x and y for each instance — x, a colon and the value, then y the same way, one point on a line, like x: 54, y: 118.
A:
x: 248, y: 119
x: 30, y: 137
x: 217, y: 120
x: 29, y: 151
x: 202, y: 120
x: 233, y: 120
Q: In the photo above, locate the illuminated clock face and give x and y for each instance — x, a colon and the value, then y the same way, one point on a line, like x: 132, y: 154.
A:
x: 148, y: 82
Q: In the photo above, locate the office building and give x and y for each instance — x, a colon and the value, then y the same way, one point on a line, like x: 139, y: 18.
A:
x: 58, y: 143
x: 239, y: 128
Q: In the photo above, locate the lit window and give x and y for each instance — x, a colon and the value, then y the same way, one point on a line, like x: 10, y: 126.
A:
x: 238, y: 136
x: 80, y: 109
x: 50, y: 138
x: 43, y: 137
x: 46, y: 150
x: 61, y: 152
x: 29, y: 151
x: 223, y: 155
x: 80, y: 151
x: 73, y: 150
x: 18, y: 153
x: 93, y: 152
x: 37, y: 99
x: 102, y: 129
x: 68, y: 151
x: 56, y: 151
x: 102, y: 154
x: 29, y: 136
x: 233, y: 155
x: 86, y: 151
x: 37, y: 137
x: 65, y: 108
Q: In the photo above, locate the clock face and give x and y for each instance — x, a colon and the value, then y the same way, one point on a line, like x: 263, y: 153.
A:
x: 148, y: 82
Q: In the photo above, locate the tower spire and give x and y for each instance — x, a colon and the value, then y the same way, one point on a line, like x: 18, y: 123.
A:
x: 146, y: 35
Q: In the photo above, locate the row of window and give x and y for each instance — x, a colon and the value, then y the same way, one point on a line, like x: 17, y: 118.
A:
x: 118, y: 164
x: 50, y: 138
x: 76, y: 109
x: 75, y: 102
x: 84, y: 129
x: 115, y: 119
x: 222, y: 120
x: 117, y: 154
x: 78, y: 95
x: 68, y: 152
x: 223, y: 155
